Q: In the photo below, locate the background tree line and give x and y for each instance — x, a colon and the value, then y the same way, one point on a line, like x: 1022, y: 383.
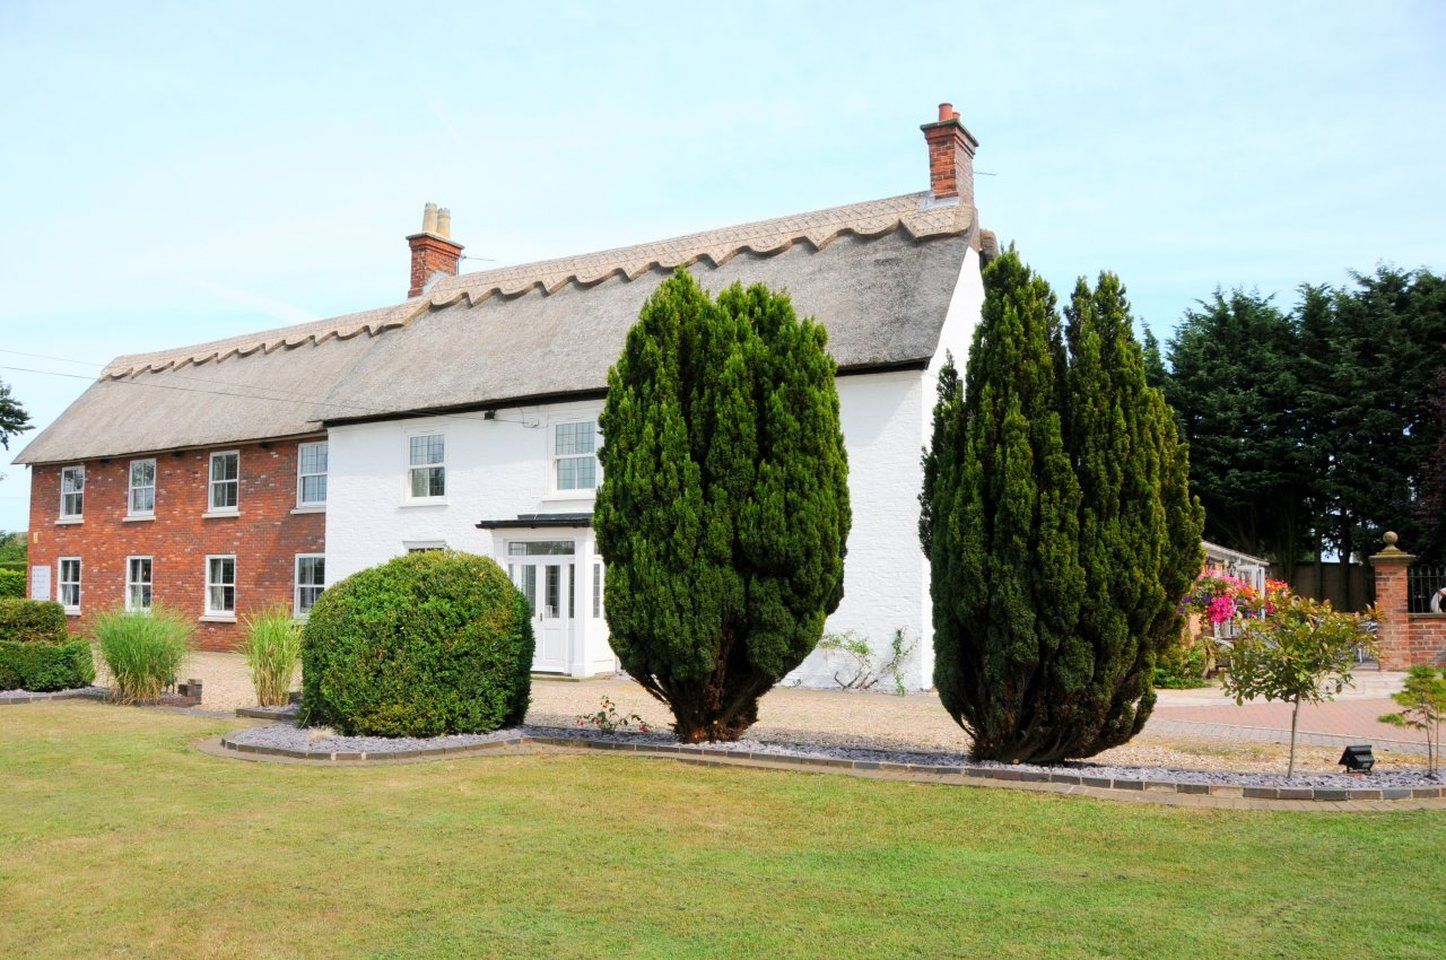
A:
x: 1314, y: 429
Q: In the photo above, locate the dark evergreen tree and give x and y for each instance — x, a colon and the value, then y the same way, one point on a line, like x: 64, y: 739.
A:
x: 1431, y: 488
x: 1139, y: 531
x: 723, y: 513
x: 13, y: 418
x: 1001, y: 526
x: 1233, y: 384
x: 1155, y: 373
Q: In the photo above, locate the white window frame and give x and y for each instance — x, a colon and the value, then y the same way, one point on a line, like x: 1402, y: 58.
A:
x: 554, y: 459
x: 411, y: 468
x: 297, y: 586
x: 79, y: 514
x: 61, y: 583
x: 131, y: 488
x: 423, y: 546
x: 210, y: 610
x: 212, y: 483
x: 132, y: 583
x: 301, y: 476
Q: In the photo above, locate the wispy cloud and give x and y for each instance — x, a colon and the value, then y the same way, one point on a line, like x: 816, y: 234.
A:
x: 279, y: 310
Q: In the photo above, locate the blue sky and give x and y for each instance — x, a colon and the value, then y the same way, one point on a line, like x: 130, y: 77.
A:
x: 177, y: 173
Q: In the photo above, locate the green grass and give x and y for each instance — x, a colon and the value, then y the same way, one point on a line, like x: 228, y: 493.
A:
x: 117, y: 838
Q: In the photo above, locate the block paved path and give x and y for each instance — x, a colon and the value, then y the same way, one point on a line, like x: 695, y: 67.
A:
x: 1339, y: 721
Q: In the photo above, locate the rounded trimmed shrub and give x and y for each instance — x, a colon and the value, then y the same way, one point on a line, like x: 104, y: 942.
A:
x: 426, y: 644
x: 37, y: 652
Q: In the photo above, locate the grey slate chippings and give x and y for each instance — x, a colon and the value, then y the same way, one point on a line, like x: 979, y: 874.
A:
x: 294, y: 740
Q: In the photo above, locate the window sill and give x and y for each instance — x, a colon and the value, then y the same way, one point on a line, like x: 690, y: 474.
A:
x: 217, y: 618
x: 72, y: 611
x: 138, y: 518
x: 555, y: 496
x: 424, y: 502
x: 220, y: 514
x: 69, y: 521
x: 310, y: 508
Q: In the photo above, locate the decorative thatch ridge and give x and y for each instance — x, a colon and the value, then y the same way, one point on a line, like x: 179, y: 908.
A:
x: 914, y: 214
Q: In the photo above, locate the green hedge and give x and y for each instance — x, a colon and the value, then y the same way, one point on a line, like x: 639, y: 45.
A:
x: 33, y: 621
x: 427, y: 644
x: 12, y: 565
x: 36, y: 650
x: 41, y: 667
x: 12, y: 584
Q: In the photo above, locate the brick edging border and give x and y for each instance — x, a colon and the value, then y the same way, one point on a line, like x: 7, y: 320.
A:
x: 1197, y: 794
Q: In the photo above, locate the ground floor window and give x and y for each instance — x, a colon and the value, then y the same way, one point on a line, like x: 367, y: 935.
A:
x: 310, y: 581
x: 221, y: 585
x: 70, y: 583
x: 138, y: 583
x: 597, y: 581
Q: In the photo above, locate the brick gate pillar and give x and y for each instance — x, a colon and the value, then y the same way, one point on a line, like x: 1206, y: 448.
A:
x: 1394, y: 634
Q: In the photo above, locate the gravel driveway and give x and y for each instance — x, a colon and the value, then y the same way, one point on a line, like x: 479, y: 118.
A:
x: 856, y: 719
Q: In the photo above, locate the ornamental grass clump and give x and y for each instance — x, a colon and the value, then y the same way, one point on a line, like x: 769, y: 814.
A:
x: 273, y: 649
x: 143, y: 650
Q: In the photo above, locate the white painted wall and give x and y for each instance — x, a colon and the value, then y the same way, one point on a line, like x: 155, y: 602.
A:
x: 500, y: 468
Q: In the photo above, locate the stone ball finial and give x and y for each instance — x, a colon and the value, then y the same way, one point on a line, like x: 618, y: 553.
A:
x: 1390, y: 538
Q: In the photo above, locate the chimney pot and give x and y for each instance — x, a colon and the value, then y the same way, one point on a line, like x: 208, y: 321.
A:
x: 444, y: 222
x: 946, y: 112
x: 429, y: 218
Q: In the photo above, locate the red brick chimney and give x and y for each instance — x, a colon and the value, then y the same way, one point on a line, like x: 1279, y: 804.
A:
x: 951, y: 157
x: 433, y: 250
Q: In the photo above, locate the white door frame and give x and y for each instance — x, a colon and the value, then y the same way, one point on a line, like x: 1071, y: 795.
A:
x: 556, y: 625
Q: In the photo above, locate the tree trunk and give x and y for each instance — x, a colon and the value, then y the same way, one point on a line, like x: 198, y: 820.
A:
x: 1294, y: 720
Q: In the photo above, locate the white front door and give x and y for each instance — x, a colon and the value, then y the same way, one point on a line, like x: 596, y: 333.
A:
x: 545, y: 572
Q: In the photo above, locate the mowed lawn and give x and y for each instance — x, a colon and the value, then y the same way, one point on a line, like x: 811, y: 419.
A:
x: 118, y: 838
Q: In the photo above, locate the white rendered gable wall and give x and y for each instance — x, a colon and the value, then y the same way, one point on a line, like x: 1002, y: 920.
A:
x: 498, y: 469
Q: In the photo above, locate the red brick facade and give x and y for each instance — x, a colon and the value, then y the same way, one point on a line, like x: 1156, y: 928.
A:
x: 1406, y: 639
x: 265, y: 535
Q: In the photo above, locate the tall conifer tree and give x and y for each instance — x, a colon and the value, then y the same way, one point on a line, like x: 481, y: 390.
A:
x: 1001, y: 505
x: 1057, y: 517
x: 1139, y: 526
x: 723, y: 512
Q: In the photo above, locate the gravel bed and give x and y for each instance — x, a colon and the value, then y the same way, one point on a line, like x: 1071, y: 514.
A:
x: 785, y: 750
x: 285, y: 736
x: 288, y: 737
x: 24, y: 695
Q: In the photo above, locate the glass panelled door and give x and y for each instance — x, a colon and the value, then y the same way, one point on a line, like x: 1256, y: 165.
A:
x: 545, y: 572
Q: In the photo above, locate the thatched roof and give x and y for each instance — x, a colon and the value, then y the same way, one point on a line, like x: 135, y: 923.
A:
x: 878, y: 275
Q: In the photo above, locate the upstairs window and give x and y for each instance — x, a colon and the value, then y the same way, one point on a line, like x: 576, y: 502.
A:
x: 574, y: 455
x: 72, y: 493
x: 138, y: 583
x: 221, y: 586
x: 310, y: 581
x: 142, y: 502
x: 311, y: 475
x: 225, y: 482
x: 70, y: 583
x: 427, y: 460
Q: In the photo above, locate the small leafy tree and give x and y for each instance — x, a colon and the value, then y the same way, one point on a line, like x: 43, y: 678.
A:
x: 1423, y: 706
x: 1303, y: 652
x: 723, y: 513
